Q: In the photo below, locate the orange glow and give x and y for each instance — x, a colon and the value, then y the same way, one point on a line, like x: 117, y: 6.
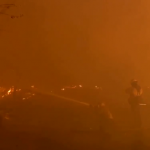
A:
x: 32, y: 86
x: 74, y: 86
x: 18, y: 90
x: 9, y: 91
x: 96, y: 87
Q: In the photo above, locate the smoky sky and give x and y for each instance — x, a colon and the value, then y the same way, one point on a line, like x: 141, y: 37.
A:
x: 76, y: 42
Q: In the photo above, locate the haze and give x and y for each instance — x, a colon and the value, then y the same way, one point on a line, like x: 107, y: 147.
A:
x: 63, y: 42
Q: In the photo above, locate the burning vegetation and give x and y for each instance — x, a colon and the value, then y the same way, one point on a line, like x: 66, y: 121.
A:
x: 8, y: 92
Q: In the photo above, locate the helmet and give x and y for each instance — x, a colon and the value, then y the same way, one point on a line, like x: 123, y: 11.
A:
x: 134, y: 82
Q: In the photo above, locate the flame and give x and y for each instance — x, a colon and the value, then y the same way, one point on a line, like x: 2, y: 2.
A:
x: 9, y: 91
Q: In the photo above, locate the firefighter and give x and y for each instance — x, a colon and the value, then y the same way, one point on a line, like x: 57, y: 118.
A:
x: 135, y: 98
x: 102, y: 114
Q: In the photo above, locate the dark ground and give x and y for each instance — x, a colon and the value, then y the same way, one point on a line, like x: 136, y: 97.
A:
x: 49, y: 123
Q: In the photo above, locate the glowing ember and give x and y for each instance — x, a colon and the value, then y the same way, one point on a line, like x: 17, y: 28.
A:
x: 96, y: 87
x: 23, y: 98
x: 62, y: 89
x: 74, y: 87
x: 17, y: 90
x: 80, y: 85
x: 32, y: 86
x: 9, y: 92
x: 70, y: 87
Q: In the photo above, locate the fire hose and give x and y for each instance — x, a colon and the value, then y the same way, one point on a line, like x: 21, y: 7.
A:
x: 82, y: 103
